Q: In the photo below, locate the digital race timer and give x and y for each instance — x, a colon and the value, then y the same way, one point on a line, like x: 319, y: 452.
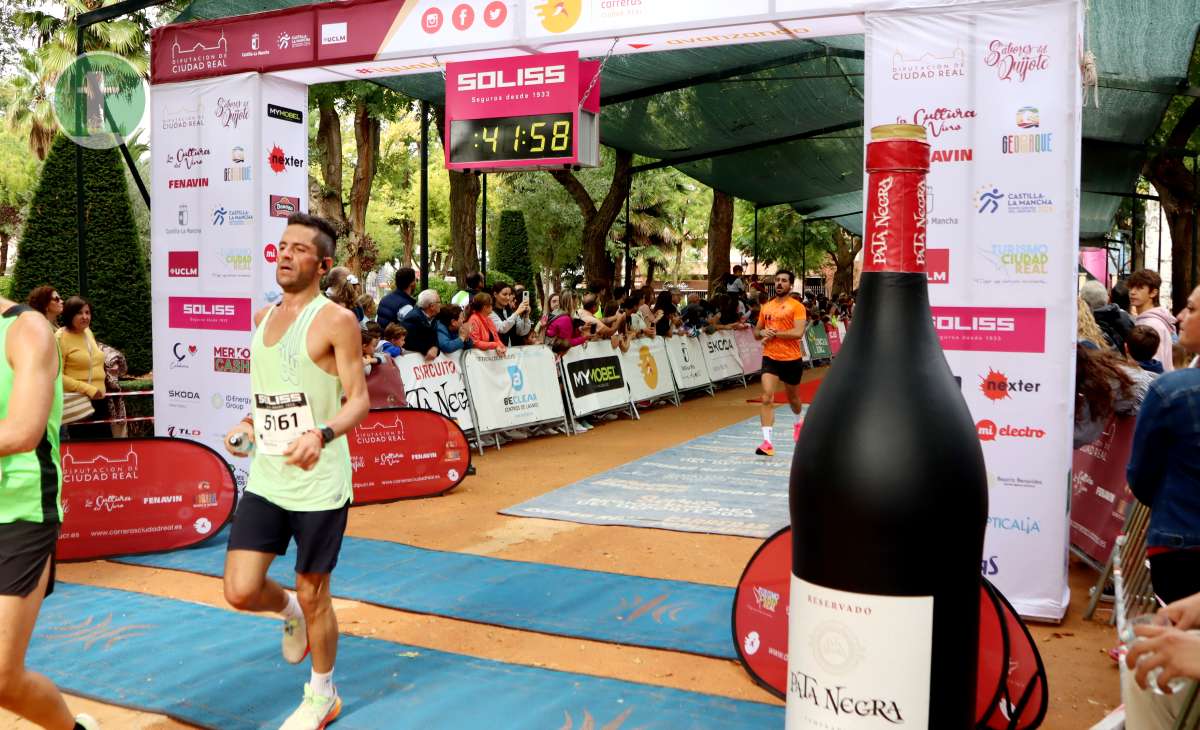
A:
x: 534, y: 137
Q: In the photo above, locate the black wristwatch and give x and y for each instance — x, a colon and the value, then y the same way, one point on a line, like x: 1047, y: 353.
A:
x: 327, y: 434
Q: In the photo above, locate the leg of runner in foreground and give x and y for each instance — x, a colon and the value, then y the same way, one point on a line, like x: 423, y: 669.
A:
x: 30, y: 508
x: 306, y: 352
x: 780, y: 325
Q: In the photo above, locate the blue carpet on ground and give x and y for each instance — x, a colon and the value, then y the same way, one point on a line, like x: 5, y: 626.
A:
x: 714, y: 484
x: 620, y: 609
x: 220, y: 669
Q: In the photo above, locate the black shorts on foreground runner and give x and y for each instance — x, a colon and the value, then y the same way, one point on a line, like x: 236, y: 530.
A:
x: 264, y: 527
x: 24, y: 549
x: 789, y: 371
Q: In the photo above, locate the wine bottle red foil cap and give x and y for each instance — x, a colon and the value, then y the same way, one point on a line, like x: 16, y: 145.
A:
x: 897, y: 163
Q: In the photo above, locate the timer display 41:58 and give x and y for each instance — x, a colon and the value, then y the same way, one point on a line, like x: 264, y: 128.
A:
x: 542, y: 136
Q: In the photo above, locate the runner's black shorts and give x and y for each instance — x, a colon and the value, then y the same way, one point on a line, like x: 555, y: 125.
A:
x: 24, y: 549
x: 789, y: 371
x: 265, y: 527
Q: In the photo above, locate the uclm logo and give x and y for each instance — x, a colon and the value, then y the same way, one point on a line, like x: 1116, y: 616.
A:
x: 991, y: 329
x: 209, y: 313
x: 183, y: 264
x: 500, y: 79
x: 937, y: 265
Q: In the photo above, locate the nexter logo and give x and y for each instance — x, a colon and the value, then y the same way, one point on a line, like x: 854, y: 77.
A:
x: 533, y: 76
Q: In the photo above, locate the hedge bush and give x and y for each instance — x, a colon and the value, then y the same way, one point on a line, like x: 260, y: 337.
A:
x: 118, y: 273
x: 512, y: 249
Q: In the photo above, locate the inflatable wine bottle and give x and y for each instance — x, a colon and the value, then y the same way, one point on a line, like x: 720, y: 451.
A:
x: 888, y: 494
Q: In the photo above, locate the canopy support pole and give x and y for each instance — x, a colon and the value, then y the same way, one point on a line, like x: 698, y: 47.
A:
x: 756, y: 243
x: 1195, y: 211
x: 424, y: 195
x: 80, y: 217
x: 483, y: 233
x: 628, y: 237
x: 803, y: 253
x: 1160, y: 225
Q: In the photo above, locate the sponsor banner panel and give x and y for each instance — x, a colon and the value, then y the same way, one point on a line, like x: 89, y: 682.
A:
x: 816, y: 343
x: 283, y: 187
x: 514, y: 389
x: 646, y: 369
x: 1100, y: 496
x: 997, y: 93
x: 687, y: 363
x: 721, y: 355
x: 437, y: 385
x: 834, y: 337
x: 404, y: 453
x: 760, y: 611
x: 750, y: 350
x: 131, y: 496
x: 595, y: 379
x: 552, y: 18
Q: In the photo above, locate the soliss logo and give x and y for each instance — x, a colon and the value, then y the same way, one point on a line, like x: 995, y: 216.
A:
x: 226, y: 310
x: 534, y: 76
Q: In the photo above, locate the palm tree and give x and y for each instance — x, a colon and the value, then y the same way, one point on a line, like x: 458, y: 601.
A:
x: 125, y: 37
x: 28, y: 97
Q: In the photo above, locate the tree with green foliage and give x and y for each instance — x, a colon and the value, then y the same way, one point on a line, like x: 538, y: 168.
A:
x: 117, y: 271
x: 18, y: 177
x: 512, y: 248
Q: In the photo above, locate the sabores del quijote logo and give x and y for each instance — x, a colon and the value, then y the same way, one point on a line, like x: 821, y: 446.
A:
x: 1016, y: 61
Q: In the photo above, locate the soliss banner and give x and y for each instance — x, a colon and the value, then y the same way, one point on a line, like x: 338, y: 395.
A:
x: 514, y: 389
x: 404, y: 453
x: 132, y: 496
x: 1100, y: 496
x: 646, y: 370
x: 437, y: 385
x: 594, y: 377
x: 750, y: 350
x: 687, y: 363
x: 721, y: 356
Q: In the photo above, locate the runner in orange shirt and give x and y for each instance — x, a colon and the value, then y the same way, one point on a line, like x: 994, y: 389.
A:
x: 780, y: 325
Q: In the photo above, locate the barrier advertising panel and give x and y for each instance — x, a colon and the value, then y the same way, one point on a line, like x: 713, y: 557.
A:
x: 835, y: 339
x: 1100, y: 496
x: 647, y: 371
x: 750, y: 351
x: 817, y: 342
x: 437, y: 385
x: 595, y: 379
x: 515, y: 389
x: 131, y: 496
x: 402, y: 453
x: 687, y: 363
x: 721, y: 356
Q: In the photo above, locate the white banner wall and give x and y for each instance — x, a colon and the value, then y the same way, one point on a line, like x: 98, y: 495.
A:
x: 437, y: 385
x: 646, y: 369
x: 997, y: 89
x: 595, y: 379
x: 687, y: 363
x: 721, y: 356
x: 212, y: 181
x: 517, y: 388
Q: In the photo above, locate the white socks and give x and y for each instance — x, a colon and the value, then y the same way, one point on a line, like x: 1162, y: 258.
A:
x: 767, y: 434
x: 322, y: 684
x: 292, y: 609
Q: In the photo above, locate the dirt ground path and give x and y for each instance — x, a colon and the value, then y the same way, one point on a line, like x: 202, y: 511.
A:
x: 1083, y: 680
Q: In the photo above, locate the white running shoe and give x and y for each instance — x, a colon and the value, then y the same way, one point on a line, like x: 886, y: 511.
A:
x: 315, y: 712
x: 87, y: 722
x: 295, y: 640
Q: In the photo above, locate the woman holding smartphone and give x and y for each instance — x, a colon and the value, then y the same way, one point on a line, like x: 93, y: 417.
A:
x: 511, y: 319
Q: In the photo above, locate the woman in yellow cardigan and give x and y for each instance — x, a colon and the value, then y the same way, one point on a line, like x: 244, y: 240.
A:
x: 83, y: 365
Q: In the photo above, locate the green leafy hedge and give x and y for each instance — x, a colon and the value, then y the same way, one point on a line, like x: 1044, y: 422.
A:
x: 117, y: 270
x: 512, y: 248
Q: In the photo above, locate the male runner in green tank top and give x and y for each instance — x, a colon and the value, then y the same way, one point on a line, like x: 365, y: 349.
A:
x: 305, y: 354
x: 30, y: 508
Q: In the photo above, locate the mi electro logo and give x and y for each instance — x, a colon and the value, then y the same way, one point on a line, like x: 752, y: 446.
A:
x: 533, y: 76
x: 989, y: 431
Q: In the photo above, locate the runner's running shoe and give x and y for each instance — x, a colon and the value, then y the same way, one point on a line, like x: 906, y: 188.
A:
x: 765, y: 449
x: 295, y: 640
x: 314, y: 713
x: 87, y: 722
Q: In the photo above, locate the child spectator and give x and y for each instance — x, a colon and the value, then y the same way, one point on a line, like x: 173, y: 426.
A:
x: 393, y: 340
x: 1141, y: 345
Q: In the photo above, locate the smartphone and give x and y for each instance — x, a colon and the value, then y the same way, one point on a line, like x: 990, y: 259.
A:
x: 525, y: 296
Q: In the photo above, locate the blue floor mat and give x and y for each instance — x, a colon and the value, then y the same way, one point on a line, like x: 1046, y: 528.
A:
x: 220, y: 669
x: 712, y: 484
x: 588, y: 604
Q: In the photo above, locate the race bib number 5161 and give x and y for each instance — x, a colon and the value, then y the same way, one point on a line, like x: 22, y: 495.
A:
x: 279, y: 420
